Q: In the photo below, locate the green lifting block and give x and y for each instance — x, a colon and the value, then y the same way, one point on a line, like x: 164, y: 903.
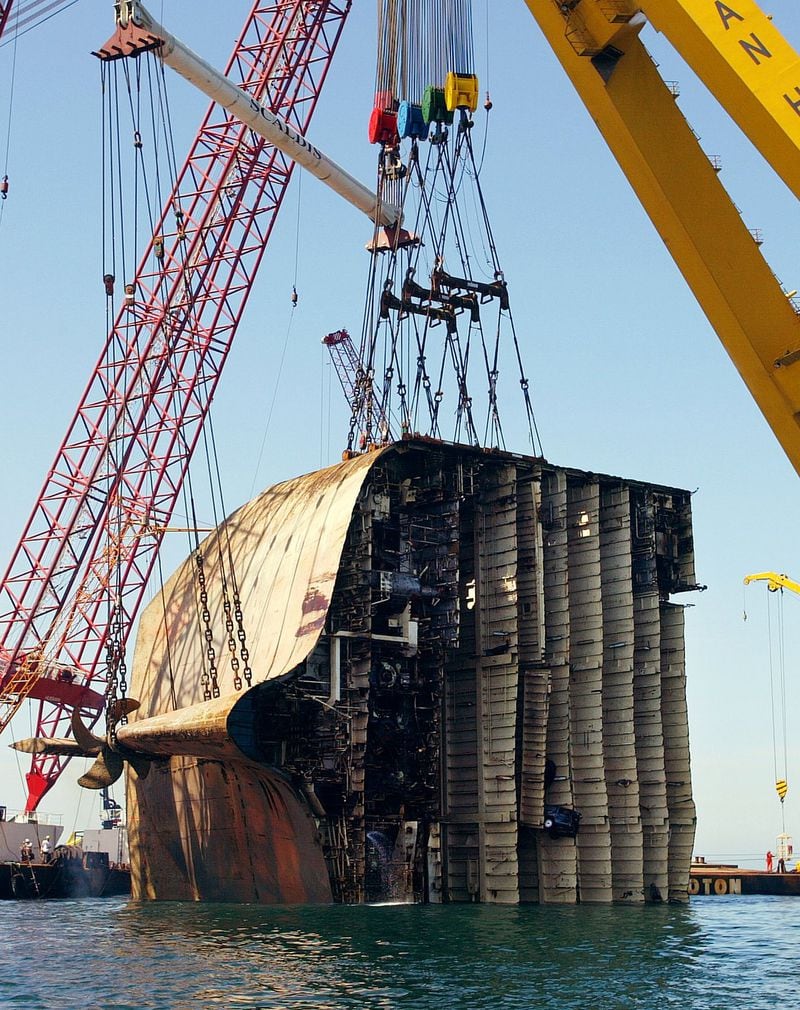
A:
x: 434, y: 108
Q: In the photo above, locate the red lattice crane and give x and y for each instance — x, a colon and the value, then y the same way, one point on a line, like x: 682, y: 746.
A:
x: 127, y: 450
x: 29, y: 13
x: 5, y: 10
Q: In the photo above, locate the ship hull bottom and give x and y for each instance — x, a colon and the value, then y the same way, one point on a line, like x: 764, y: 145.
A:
x: 207, y: 831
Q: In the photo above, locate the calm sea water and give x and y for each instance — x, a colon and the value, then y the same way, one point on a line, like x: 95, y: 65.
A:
x: 112, y: 955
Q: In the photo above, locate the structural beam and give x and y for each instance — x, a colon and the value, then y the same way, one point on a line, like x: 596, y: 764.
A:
x: 747, y: 65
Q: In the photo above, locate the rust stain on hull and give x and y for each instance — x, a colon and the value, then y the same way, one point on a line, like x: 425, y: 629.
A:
x: 212, y: 831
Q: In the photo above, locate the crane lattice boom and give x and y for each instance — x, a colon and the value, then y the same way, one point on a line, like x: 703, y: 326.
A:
x: 125, y: 455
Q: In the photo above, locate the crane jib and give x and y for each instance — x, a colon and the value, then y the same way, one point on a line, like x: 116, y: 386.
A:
x: 295, y: 137
x: 138, y: 30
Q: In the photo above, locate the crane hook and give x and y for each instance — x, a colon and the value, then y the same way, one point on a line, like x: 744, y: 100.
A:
x: 4, y: 187
x: 294, y: 297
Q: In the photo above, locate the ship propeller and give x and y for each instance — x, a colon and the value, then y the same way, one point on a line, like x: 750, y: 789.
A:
x: 109, y: 757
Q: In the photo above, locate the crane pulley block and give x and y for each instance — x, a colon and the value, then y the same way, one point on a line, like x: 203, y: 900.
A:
x: 461, y: 92
x: 434, y: 107
x: 411, y: 122
x: 383, y: 120
x: 383, y: 127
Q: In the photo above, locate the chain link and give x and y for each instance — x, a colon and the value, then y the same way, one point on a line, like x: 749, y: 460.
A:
x: 209, y: 678
x: 111, y: 686
x: 244, y: 652
x: 116, y: 676
x: 226, y: 606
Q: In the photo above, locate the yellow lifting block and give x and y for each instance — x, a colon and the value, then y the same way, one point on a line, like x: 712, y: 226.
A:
x: 461, y: 92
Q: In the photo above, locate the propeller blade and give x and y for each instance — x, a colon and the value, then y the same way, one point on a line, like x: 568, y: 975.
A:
x: 91, y: 744
x: 50, y: 745
x: 121, y: 707
x: 104, y: 772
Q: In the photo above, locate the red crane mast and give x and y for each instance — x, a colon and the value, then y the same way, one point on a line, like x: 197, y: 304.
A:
x: 80, y: 571
x: 5, y: 10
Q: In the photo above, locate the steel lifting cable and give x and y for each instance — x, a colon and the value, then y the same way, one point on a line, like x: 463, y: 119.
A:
x: 424, y: 223
x: 35, y: 13
x: 533, y: 429
x: 116, y: 674
x: 778, y: 651
x: 118, y: 212
x: 209, y: 671
x: 231, y: 602
x: 770, y: 654
x: 279, y: 373
x: 7, y: 154
x: 782, y: 668
x: 421, y: 380
x: 429, y: 38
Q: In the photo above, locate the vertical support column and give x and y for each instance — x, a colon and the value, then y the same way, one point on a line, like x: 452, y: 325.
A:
x: 558, y: 868
x: 534, y: 687
x: 460, y: 747
x: 674, y: 717
x: 647, y: 702
x: 497, y: 675
x: 619, y: 740
x: 586, y: 688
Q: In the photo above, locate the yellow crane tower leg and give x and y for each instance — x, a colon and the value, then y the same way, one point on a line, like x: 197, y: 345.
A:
x: 598, y: 45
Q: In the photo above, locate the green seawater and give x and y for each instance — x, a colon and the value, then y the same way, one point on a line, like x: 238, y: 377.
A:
x: 110, y: 954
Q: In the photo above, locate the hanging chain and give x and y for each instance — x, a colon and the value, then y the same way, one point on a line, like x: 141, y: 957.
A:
x: 232, y: 610
x: 209, y: 678
x: 228, y: 611
x: 244, y: 652
x: 116, y: 675
x: 111, y: 687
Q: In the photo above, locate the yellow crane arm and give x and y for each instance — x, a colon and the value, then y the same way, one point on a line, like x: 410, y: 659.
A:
x: 747, y: 65
x: 597, y: 43
x: 774, y: 581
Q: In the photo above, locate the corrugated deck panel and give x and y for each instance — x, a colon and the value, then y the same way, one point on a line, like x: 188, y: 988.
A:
x: 558, y: 867
x: 586, y: 685
x: 619, y: 744
x: 674, y: 718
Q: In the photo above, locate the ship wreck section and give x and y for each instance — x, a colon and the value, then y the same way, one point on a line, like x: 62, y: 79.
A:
x: 468, y: 685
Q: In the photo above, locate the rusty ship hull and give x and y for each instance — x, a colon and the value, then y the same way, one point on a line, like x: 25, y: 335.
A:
x: 468, y: 684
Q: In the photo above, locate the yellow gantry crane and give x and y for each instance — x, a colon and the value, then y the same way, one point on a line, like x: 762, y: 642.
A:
x: 755, y: 75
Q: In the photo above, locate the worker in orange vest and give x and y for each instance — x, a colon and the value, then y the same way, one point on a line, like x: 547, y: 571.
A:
x: 769, y: 861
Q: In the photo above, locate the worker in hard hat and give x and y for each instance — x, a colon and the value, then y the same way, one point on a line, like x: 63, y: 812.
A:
x: 26, y: 851
x: 46, y: 849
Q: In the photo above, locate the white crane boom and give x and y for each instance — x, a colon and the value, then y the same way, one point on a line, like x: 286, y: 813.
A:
x: 253, y: 114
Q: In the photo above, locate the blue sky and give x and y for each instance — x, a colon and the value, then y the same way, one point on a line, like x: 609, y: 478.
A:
x: 627, y: 375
